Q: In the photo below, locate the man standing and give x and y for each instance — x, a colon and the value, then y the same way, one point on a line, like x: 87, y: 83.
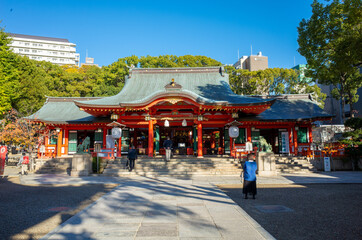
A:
x: 250, y: 168
x: 168, y: 145
x: 132, y: 156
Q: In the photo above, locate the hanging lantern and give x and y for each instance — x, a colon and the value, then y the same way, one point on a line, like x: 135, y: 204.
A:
x: 116, y: 132
x: 114, y: 116
x: 167, y: 124
x: 184, y: 123
x: 234, y: 132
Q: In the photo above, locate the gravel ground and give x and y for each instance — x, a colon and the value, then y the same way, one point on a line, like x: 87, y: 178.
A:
x: 31, y: 211
x: 310, y: 211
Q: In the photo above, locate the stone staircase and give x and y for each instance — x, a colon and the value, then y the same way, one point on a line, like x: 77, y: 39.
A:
x: 178, y: 166
x: 54, y: 165
x: 294, y: 165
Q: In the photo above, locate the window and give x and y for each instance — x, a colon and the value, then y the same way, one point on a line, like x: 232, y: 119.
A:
x: 34, y: 44
x: 20, y: 49
x: 26, y: 50
x: 27, y: 44
x: 302, y: 135
x: 34, y: 51
x: 40, y: 45
x: 241, y: 138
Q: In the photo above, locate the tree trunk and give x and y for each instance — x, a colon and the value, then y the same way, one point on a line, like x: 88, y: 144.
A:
x: 351, y: 106
x: 342, y: 97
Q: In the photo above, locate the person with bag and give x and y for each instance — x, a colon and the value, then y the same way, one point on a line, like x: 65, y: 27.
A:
x: 132, y: 156
x: 249, y: 168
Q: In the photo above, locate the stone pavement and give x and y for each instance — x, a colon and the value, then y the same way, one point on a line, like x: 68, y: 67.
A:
x: 169, y: 208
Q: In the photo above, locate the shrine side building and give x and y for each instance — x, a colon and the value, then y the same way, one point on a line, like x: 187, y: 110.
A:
x: 193, y: 106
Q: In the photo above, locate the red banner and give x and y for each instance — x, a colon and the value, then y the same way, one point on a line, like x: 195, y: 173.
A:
x: 3, y: 151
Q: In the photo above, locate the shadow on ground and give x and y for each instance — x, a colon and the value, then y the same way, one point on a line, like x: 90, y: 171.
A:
x: 31, y: 211
x: 304, y: 211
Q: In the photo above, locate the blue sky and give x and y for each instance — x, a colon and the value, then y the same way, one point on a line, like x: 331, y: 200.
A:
x: 111, y: 29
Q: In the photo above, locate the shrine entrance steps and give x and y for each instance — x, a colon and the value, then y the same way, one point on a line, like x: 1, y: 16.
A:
x: 294, y: 165
x: 54, y: 165
x: 178, y: 166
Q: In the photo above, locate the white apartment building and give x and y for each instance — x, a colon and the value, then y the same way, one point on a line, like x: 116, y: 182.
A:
x: 55, y: 50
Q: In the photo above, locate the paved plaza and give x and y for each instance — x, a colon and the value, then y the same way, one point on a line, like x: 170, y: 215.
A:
x: 169, y: 208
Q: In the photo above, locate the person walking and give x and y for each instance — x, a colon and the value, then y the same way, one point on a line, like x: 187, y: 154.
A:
x: 250, y: 168
x: 168, y: 146
x: 132, y: 156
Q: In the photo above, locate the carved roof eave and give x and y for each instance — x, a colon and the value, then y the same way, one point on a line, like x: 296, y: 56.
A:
x: 199, y: 101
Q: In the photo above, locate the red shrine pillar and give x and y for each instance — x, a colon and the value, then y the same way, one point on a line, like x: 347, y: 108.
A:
x: 59, y: 143
x: 104, y: 137
x: 119, y: 147
x: 66, y: 140
x: 199, y: 140
x: 290, y: 140
x: 310, y: 135
x: 150, y: 138
x: 248, y: 134
x: 295, y: 135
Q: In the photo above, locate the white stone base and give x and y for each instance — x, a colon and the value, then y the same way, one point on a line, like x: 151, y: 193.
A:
x: 81, y: 165
x: 266, y: 164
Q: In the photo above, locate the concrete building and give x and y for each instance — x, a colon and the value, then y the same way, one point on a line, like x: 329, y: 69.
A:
x: 252, y: 63
x: 55, y: 50
x: 89, y: 62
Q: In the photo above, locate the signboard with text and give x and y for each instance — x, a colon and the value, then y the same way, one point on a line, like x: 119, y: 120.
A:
x: 327, y: 164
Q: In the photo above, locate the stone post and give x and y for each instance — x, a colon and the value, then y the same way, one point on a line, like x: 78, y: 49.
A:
x: 81, y: 165
x: 266, y: 164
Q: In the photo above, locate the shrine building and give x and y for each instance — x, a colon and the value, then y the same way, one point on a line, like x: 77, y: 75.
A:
x: 193, y: 106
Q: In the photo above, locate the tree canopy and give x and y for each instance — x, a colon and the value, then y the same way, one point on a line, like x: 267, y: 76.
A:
x: 331, y: 42
x: 273, y: 81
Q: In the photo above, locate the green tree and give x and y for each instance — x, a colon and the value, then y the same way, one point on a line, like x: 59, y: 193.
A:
x: 8, y: 74
x: 353, y: 140
x: 21, y: 82
x: 272, y: 81
x: 331, y: 42
x: 172, y: 61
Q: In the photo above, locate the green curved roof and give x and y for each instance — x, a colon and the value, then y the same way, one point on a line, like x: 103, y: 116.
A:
x: 208, y: 86
x: 58, y: 110
x: 293, y: 110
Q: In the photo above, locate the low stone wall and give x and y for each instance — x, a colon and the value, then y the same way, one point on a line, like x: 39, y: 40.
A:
x: 337, y: 164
